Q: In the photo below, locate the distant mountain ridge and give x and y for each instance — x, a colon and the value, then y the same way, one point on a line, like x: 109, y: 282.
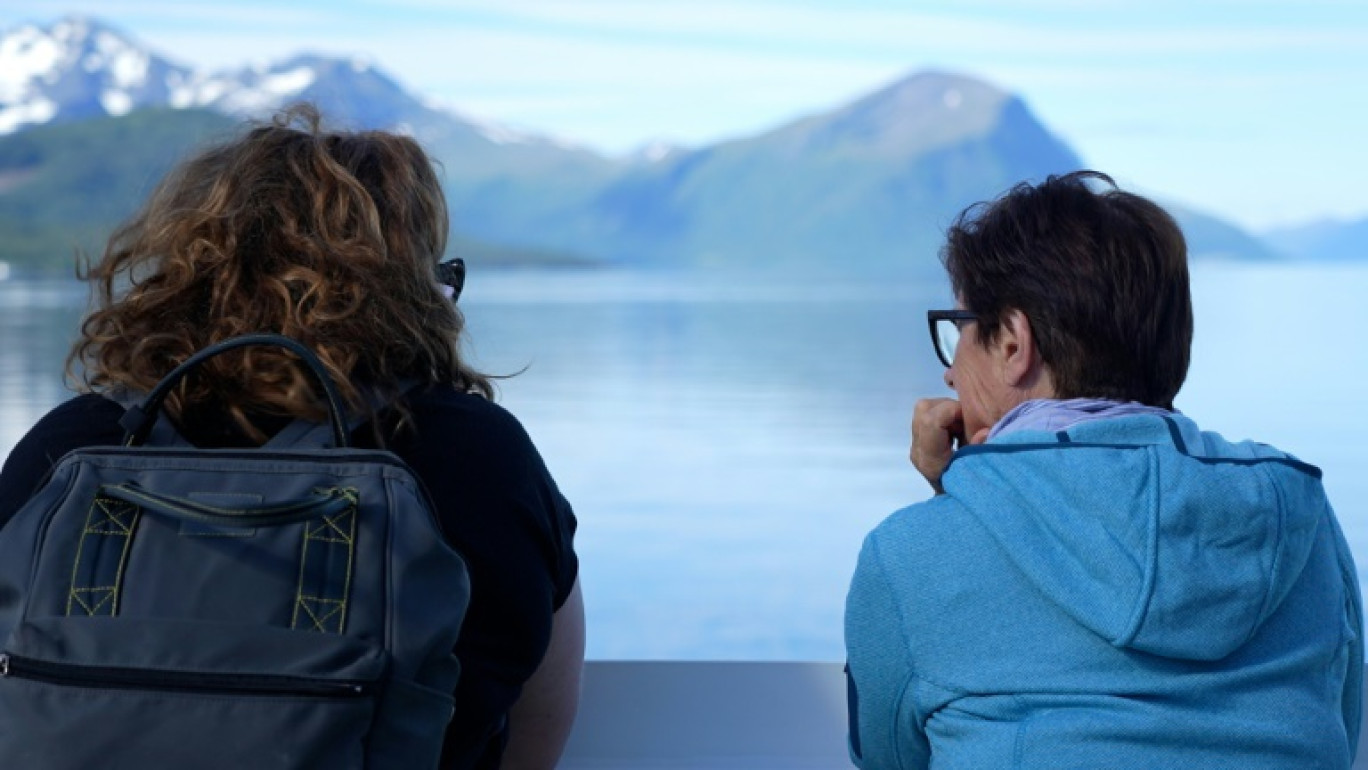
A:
x: 865, y: 188
x: 869, y: 186
x: 1329, y: 240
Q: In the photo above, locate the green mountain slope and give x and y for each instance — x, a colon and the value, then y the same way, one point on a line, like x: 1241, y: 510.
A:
x: 64, y: 187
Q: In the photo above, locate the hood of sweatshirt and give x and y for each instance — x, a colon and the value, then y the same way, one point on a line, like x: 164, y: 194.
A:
x: 1153, y: 534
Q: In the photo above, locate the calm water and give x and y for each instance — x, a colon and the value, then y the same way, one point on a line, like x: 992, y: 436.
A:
x: 726, y: 447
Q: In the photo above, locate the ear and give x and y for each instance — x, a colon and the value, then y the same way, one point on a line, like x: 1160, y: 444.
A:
x: 1019, y: 362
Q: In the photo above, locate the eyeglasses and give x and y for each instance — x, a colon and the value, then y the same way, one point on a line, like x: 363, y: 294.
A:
x: 945, y: 331
x: 452, y: 275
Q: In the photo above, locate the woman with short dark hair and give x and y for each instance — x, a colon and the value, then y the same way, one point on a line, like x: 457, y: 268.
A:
x: 1097, y: 582
x: 334, y: 238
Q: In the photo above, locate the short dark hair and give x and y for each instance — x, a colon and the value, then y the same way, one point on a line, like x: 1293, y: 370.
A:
x: 1101, y: 274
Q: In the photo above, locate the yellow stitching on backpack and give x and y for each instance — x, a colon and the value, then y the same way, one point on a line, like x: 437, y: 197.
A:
x: 76, y: 563
x: 330, y: 523
x: 112, y: 517
x: 320, y: 621
x: 106, y: 517
x: 108, y: 592
x: 351, y: 557
x: 299, y: 584
x: 336, y: 530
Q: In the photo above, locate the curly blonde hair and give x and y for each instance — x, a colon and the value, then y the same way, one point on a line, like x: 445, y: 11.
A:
x: 327, y: 237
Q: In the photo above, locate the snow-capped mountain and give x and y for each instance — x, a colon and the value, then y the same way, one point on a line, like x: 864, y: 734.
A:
x: 657, y: 151
x: 78, y: 68
x: 347, y: 90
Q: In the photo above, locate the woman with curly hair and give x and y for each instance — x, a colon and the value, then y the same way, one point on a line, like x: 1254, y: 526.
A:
x: 334, y: 239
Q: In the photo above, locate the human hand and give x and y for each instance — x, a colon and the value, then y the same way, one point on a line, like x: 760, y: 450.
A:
x: 937, y: 430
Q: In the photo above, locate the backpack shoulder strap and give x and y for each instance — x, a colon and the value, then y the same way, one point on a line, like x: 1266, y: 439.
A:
x: 139, y: 420
x: 163, y: 433
x: 304, y: 434
x: 310, y: 435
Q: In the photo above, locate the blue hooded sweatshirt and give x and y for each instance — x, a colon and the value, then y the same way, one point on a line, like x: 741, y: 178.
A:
x: 1129, y: 593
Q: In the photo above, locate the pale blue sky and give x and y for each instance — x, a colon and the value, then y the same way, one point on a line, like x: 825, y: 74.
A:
x: 1251, y: 109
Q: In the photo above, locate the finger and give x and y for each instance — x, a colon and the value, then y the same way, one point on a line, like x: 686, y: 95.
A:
x: 941, y: 423
x: 937, y: 414
x: 936, y: 424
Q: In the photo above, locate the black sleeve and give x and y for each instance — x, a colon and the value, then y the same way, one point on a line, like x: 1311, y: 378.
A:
x: 88, y: 420
x: 500, y: 508
x: 495, y: 497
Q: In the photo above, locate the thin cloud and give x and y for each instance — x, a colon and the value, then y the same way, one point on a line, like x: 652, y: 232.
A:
x: 846, y: 28
x: 162, y: 12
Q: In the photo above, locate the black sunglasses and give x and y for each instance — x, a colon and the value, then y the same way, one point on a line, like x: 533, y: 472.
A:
x: 452, y: 274
x: 945, y: 331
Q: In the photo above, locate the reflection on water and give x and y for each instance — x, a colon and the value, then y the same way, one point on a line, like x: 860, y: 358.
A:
x: 37, y: 323
x: 726, y: 448
x: 728, y: 445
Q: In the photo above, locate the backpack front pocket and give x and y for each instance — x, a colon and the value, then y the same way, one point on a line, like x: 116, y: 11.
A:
x: 57, y: 713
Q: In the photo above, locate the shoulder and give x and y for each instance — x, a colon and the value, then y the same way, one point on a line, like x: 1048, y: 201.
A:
x: 464, y: 445
x: 905, y: 549
x: 89, y: 410
x: 86, y: 420
x: 497, y: 500
x: 918, y: 526
x: 448, y: 422
x: 446, y: 404
x: 927, y: 552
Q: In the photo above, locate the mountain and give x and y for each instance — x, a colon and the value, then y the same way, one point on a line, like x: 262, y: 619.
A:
x: 501, y: 184
x: 870, y: 185
x: 94, y: 118
x: 64, y: 186
x: 347, y: 89
x: 1210, y: 237
x: 79, y: 68
x: 1324, y: 240
x: 76, y: 69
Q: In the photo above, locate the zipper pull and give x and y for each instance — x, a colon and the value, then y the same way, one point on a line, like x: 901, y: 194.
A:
x: 4, y: 664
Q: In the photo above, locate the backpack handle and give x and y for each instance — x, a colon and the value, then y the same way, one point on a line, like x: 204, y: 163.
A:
x: 138, y: 420
x: 324, y: 502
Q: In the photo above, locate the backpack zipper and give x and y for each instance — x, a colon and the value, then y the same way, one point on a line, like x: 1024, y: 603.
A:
x: 108, y: 677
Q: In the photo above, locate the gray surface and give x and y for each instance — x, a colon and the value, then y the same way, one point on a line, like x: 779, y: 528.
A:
x: 1361, y: 761
x: 680, y: 714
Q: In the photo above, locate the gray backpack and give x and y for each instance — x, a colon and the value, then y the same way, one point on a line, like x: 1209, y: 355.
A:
x: 292, y: 606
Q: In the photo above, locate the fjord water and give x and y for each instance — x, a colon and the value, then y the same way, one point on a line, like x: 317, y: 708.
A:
x: 727, y: 444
